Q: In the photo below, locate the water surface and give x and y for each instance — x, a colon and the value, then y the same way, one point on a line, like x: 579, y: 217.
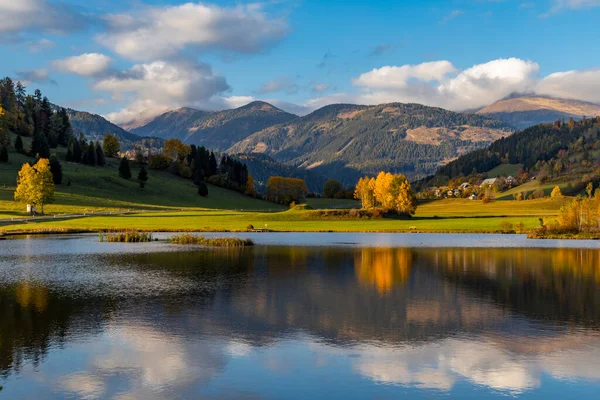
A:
x: 301, y: 316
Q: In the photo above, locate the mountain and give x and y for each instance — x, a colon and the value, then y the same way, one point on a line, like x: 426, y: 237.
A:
x: 525, y: 111
x: 95, y: 127
x: 216, y: 130
x: 344, y: 141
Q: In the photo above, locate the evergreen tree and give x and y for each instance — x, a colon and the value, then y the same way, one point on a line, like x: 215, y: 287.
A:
x: 91, y: 154
x: 67, y: 130
x: 143, y: 177
x: 70, y: 148
x: 55, y: 131
x: 3, y: 154
x: 77, y: 151
x: 56, y: 170
x: 100, y: 159
x: 39, y: 146
x: 124, y: 170
x: 19, y: 144
x: 21, y: 94
x: 212, y: 165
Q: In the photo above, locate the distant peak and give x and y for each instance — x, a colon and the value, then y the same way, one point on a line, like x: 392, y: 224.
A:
x: 261, y: 105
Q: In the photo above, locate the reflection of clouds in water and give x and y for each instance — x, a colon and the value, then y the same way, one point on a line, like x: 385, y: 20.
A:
x: 482, y: 361
x: 237, y: 348
x: 84, y: 385
x: 154, y: 365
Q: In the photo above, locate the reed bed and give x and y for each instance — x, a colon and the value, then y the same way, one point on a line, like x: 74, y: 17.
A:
x: 130, y: 236
x: 188, y: 238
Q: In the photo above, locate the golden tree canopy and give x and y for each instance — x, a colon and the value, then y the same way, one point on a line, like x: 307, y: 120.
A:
x: 388, y: 191
x: 35, y: 184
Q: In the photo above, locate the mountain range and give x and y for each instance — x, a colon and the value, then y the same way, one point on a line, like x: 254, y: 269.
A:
x: 345, y: 141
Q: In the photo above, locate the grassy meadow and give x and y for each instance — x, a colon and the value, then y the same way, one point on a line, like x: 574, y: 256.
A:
x: 170, y: 203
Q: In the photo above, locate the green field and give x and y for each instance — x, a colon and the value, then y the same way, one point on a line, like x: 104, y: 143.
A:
x: 170, y: 203
x: 530, y: 187
x: 504, y: 170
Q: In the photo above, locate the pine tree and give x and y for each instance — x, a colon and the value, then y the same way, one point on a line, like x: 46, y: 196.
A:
x: 212, y: 165
x: 70, y: 147
x: 77, y: 151
x: 56, y: 170
x: 202, y: 189
x: 143, y: 177
x: 91, y: 154
x: 124, y: 170
x: 67, y: 131
x: 100, y: 159
x: 19, y: 144
x: 39, y: 146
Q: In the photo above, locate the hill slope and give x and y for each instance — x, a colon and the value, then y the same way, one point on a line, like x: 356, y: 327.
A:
x: 344, y: 141
x: 525, y: 111
x: 214, y: 130
x: 95, y: 126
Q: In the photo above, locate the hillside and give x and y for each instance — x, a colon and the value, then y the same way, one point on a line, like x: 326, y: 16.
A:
x: 91, y: 189
x: 214, y: 130
x: 262, y: 167
x: 525, y: 111
x: 345, y: 141
x: 559, y: 152
x: 95, y: 126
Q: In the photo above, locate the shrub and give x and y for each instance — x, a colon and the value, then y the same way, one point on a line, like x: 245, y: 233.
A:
x: 158, y: 161
x: 507, y: 227
x: 250, y: 227
x: 539, y: 194
x: 202, y: 189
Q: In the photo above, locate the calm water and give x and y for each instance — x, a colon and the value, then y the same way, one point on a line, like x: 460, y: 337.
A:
x: 310, y: 316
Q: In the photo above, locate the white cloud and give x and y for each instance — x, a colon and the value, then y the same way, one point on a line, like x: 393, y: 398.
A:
x: 17, y: 16
x: 158, y: 32
x: 29, y: 76
x: 399, y: 77
x: 579, y: 85
x: 155, y: 87
x: 88, y: 64
x: 281, y: 84
x: 440, y: 84
x: 40, y: 45
x: 559, y: 5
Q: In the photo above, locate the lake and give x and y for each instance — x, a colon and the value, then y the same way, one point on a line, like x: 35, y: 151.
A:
x: 300, y: 316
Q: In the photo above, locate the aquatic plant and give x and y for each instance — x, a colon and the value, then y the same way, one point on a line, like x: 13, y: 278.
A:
x: 129, y: 236
x: 188, y: 238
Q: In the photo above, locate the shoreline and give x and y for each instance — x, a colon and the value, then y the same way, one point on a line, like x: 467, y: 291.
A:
x: 69, y: 231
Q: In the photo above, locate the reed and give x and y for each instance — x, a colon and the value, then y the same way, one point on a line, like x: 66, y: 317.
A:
x: 188, y: 238
x: 129, y: 236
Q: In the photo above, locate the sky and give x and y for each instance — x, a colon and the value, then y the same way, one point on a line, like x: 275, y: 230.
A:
x: 129, y: 59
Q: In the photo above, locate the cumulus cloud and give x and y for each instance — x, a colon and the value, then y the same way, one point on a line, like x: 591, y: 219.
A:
x: 281, y: 84
x: 159, y: 32
x: 18, y: 16
x: 160, y: 85
x: 88, y: 64
x: 578, y: 85
x: 440, y: 84
x: 28, y: 76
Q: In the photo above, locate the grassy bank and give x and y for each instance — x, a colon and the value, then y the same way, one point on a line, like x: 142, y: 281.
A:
x: 438, y: 216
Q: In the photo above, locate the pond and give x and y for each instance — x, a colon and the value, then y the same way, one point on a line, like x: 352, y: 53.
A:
x: 300, y: 316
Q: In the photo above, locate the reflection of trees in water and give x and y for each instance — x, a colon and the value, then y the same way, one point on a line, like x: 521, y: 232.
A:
x: 557, y: 284
x: 340, y: 294
x: 383, y: 268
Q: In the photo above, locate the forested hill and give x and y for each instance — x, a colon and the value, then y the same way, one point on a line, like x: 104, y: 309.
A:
x: 215, y: 130
x: 524, y: 111
x: 95, y: 126
x: 262, y: 167
x: 560, y: 149
x: 346, y: 141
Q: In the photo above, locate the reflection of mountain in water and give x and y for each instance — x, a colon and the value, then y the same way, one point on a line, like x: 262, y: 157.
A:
x: 342, y: 295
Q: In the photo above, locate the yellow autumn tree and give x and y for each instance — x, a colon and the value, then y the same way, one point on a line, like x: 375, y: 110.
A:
x: 556, y: 193
x: 365, y: 192
x: 35, y: 184
x: 388, y: 191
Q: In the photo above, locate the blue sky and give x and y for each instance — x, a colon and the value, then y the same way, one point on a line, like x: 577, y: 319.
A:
x: 130, y: 58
